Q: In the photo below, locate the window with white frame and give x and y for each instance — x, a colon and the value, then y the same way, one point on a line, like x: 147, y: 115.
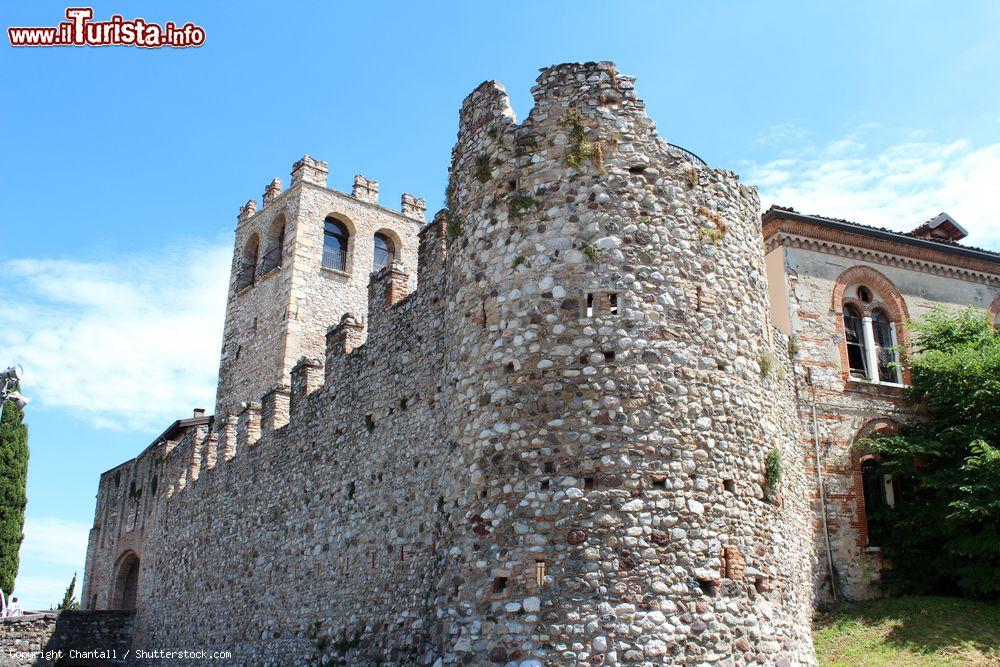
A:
x: 879, y: 491
x: 871, y: 339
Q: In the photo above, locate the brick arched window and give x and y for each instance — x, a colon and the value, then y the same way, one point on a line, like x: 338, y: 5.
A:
x: 873, y: 490
x: 871, y: 316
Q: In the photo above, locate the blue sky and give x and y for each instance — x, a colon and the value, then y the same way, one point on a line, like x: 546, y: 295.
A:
x: 122, y: 169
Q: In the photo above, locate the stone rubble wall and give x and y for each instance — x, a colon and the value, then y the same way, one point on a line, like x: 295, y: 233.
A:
x: 495, y: 467
x: 101, y: 637
x: 601, y: 442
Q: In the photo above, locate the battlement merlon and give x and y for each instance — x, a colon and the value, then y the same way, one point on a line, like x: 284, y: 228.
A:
x: 413, y: 207
x: 310, y: 170
x: 387, y: 286
x: 365, y: 189
x: 433, y: 246
x: 342, y: 338
x: 271, y: 192
x: 275, y: 407
x: 306, y: 377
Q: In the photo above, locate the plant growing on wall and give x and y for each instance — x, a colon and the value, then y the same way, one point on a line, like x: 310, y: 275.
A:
x: 13, y: 495
x: 581, y: 149
x: 518, y: 205
x: 943, y: 532
x: 483, y: 169
x: 591, y: 252
x: 772, y: 469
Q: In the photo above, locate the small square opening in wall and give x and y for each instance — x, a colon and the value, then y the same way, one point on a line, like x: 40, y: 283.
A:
x: 549, y: 467
x: 544, y: 485
x: 637, y: 170
x: 659, y: 482
x: 729, y: 485
x: 499, y: 584
x: 707, y: 587
x: 609, y: 355
x: 589, y: 482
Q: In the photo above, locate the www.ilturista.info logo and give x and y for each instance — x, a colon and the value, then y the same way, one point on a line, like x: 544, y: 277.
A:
x: 79, y: 30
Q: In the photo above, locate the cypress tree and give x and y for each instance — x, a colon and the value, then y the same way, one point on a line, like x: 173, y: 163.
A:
x: 13, y: 491
x: 69, y: 598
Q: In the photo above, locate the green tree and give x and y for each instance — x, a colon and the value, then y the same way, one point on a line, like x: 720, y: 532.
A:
x: 13, y: 493
x: 943, y: 534
x: 69, y: 599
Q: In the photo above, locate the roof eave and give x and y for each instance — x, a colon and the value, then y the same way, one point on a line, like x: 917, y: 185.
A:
x: 777, y: 214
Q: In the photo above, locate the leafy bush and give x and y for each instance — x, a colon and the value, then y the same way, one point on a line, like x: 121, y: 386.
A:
x: 943, y: 533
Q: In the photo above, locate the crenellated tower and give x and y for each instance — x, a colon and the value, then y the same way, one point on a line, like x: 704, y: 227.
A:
x: 300, y: 263
x: 618, y: 388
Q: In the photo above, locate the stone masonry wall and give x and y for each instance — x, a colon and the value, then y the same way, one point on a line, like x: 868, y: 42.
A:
x: 66, y: 638
x: 551, y: 452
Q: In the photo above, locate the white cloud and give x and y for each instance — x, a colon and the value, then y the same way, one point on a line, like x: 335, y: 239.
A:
x: 897, y: 186
x: 55, y: 541
x: 53, y: 549
x: 126, y: 343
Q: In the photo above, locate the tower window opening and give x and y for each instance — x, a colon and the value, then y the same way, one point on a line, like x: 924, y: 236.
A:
x: 385, y: 251
x: 499, y: 584
x: 613, y: 303
x: 590, y: 305
x: 335, y: 243
x: 248, y: 265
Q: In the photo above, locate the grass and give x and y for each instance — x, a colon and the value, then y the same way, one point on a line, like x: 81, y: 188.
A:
x: 910, y: 630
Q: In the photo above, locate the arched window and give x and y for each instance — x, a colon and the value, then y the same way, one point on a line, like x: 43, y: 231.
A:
x: 385, y: 251
x: 879, y: 491
x: 248, y: 265
x: 854, y: 332
x: 873, y: 314
x: 335, y: 240
x: 275, y: 247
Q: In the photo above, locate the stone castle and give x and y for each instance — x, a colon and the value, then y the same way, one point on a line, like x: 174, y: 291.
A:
x: 545, y: 427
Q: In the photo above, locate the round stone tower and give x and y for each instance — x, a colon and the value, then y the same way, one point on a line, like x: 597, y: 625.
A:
x: 618, y: 392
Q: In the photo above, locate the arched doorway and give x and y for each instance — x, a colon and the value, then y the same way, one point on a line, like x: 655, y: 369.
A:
x: 126, y: 582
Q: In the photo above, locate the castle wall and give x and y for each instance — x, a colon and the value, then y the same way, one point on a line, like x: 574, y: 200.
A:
x: 845, y: 408
x: 552, y: 451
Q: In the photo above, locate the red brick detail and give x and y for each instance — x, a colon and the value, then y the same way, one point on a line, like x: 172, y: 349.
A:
x: 891, y: 300
x: 994, y: 309
x: 882, y: 426
x: 888, y: 247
